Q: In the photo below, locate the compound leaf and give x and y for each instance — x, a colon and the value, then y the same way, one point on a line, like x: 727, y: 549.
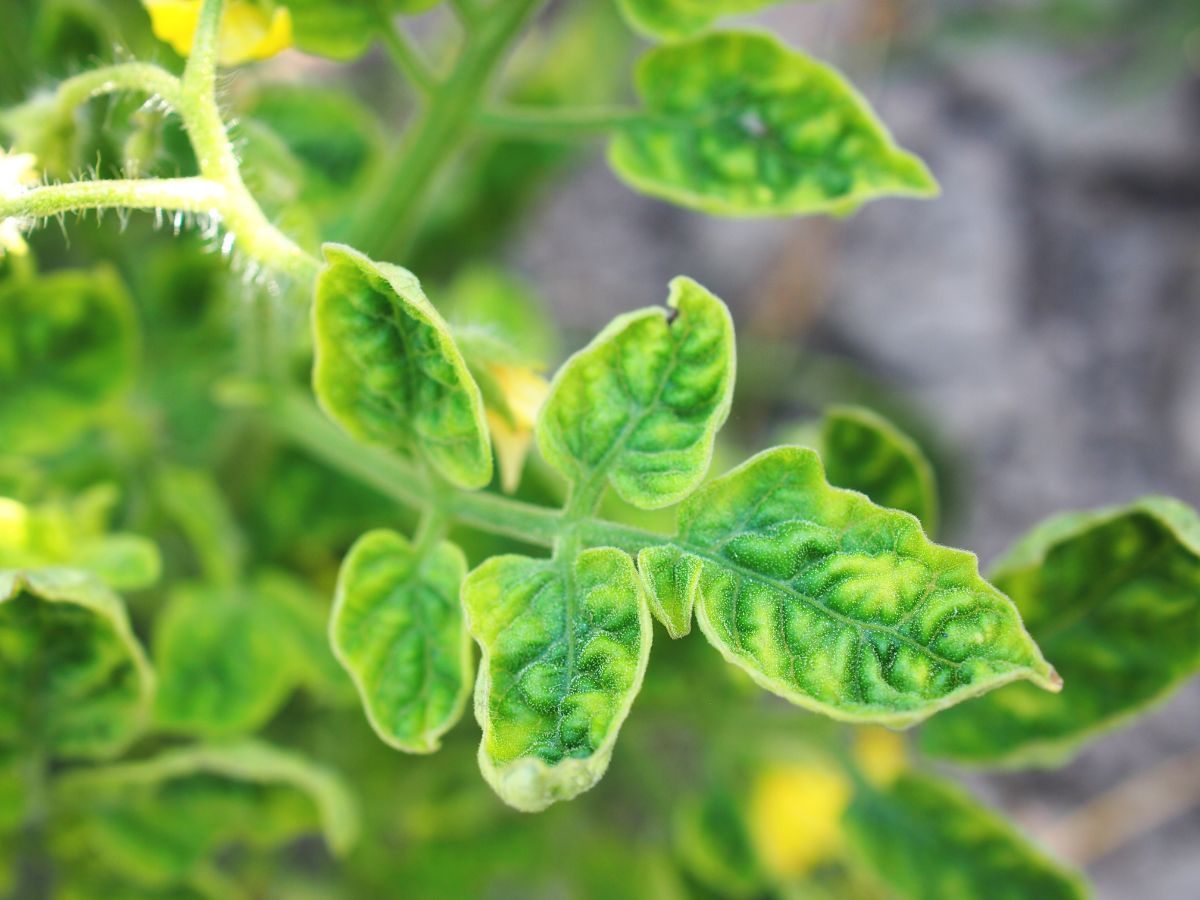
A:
x: 223, y: 669
x: 1113, y: 597
x: 68, y: 347
x: 674, y: 20
x: 398, y: 629
x: 738, y: 124
x: 838, y: 605
x: 74, y: 681
x: 159, y: 820
x: 924, y: 838
x: 864, y: 452
x: 642, y: 403
x: 565, y: 645
x: 388, y: 371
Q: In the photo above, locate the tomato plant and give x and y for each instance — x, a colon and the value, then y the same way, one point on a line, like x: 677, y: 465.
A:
x: 264, y: 538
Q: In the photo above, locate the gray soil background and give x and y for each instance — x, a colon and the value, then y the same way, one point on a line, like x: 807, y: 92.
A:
x: 1042, y: 314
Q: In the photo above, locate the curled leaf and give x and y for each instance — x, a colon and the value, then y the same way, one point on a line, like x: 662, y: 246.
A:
x: 641, y: 405
x: 838, y: 605
x: 1113, y: 597
x: 74, y: 681
x: 674, y: 20
x: 565, y: 644
x: 388, y: 371
x: 738, y: 124
x: 398, y: 629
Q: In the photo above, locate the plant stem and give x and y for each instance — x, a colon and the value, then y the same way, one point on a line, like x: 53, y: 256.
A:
x: 142, y: 78
x: 558, y: 124
x: 301, y: 422
x: 395, y: 205
x: 190, y: 195
x: 242, y: 216
x: 406, y: 58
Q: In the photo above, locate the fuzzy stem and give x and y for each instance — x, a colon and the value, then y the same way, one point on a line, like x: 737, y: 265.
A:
x: 190, y: 195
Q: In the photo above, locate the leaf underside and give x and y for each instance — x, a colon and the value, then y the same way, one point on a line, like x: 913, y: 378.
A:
x: 565, y: 645
x: 398, y: 629
x: 738, y: 124
x: 836, y: 604
x: 1113, y: 597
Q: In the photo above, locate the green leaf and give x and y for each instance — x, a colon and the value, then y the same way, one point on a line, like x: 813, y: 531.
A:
x: 565, y: 645
x: 74, y: 533
x: 223, y: 669
x: 160, y: 820
x: 673, y: 20
x: 738, y: 124
x: 865, y: 452
x: 74, y: 680
x: 924, y: 838
x: 398, y: 629
x: 336, y: 140
x: 68, y: 347
x: 193, y: 501
x: 836, y: 604
x: 1113, y: 597
x: 344, y: 31
x: 640, y: 405
x: 714, y: 844
x: 388, y: 371
x: 672, y: 578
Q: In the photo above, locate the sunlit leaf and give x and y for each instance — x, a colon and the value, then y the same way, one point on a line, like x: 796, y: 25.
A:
x: 158, y: 821
x: 398, y: 629
x: 676, y: 19
x: 838, y: 605
x: 388, y: 371
x: 641, y: 404
x: 864, y: 452
x: 68, y: 345
x: 924, y: 838
x: 223, y: 667
x: 1113, y: 597
x: 565, y: 645
x: 738, y: 124
x: 74, y: 680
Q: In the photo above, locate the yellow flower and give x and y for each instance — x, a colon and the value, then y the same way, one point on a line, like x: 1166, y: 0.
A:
x: 248, y: 31
x: 512, y: 429
x: 14, y: 525
x: 796, y: 816
x: 18, y: 174
x: 880, y: 755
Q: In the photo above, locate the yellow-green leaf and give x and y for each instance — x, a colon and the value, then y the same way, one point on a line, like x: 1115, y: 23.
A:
x: 74, y: 681
x: 738, y: 124
x: 1113, y: 597
x: 224, y: 668
x: 641, y: 404
x: 387, y: 369
x: 839, y: 605
x: 565, y: 644
x: 922, y: 838
x: 398, y: 629
x: 68, y: 346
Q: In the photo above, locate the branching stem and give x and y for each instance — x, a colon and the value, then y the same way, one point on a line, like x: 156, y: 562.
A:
x: 558, y: 124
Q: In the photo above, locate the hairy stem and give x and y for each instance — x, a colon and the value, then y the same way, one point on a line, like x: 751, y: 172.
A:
x: 135, y: 77
x: 190, y: 195
x: 396, y: 203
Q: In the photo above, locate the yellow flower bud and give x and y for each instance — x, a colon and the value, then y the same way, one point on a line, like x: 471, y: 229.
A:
x: 796, y: 816
x: 248, y: 31
x: 880, y: 755
x: 524, y: 391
